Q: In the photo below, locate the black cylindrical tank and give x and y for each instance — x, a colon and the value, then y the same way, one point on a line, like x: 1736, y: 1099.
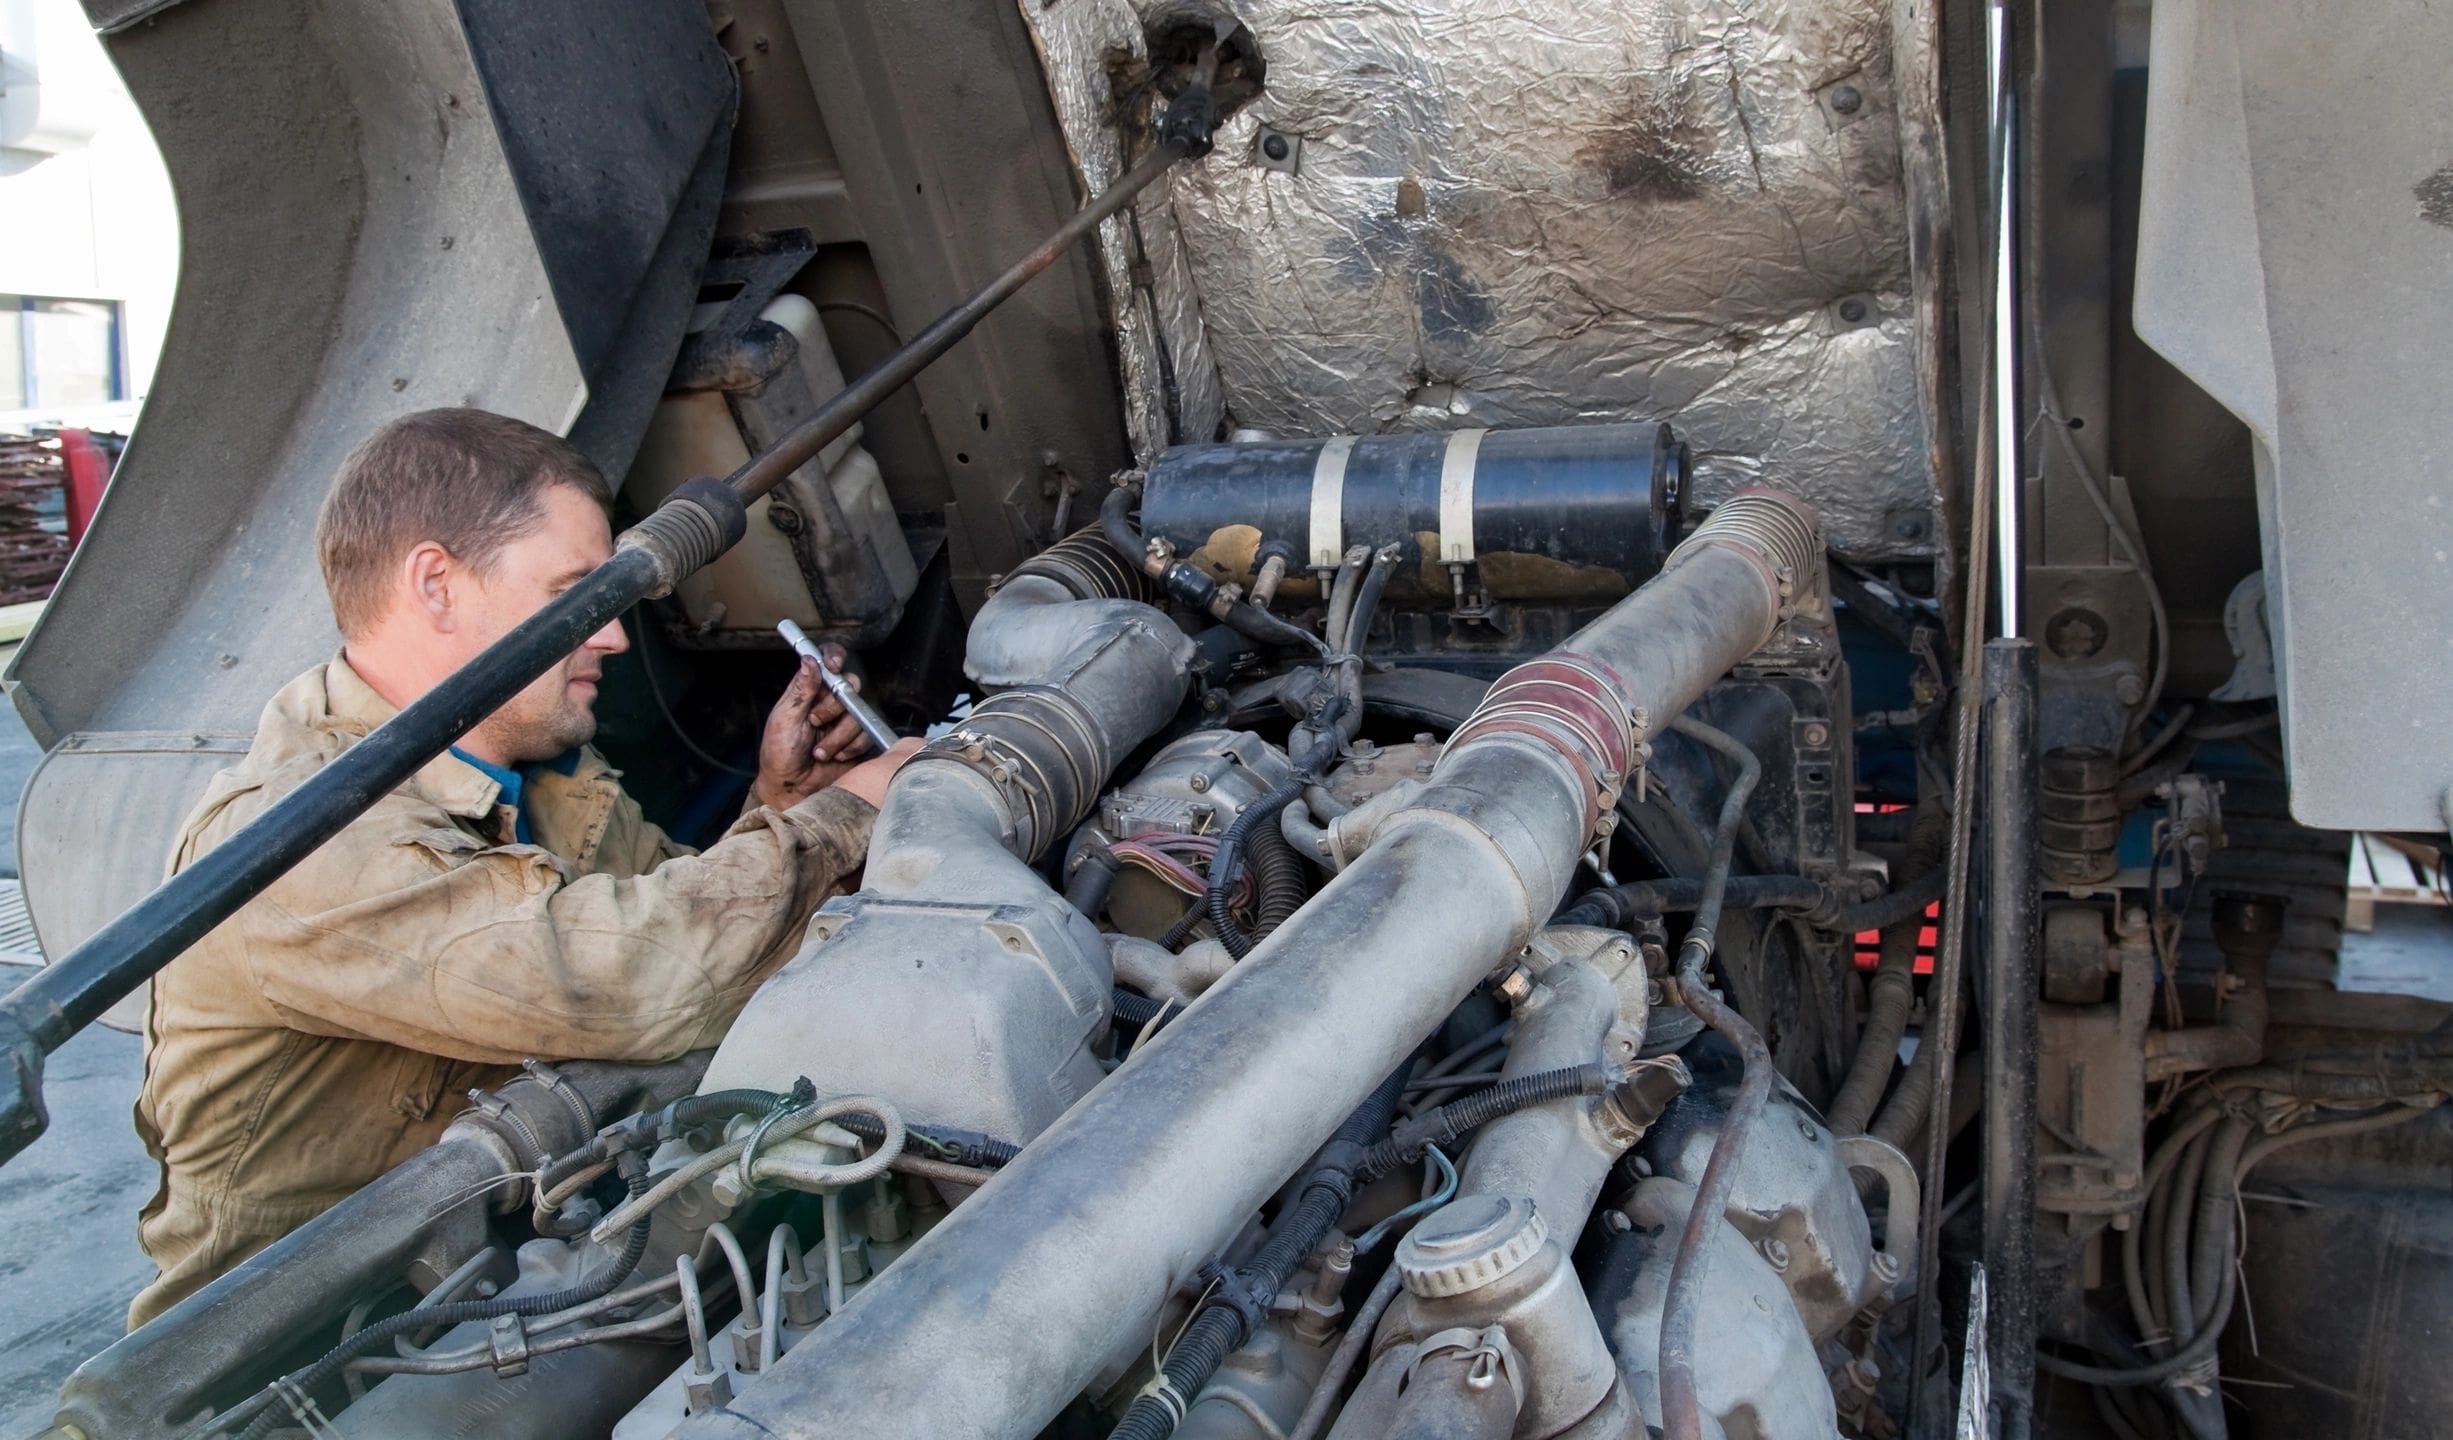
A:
x: 1569, y: 513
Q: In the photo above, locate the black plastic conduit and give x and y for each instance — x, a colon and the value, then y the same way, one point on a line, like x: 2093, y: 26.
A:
x: 1262, y: 815
x: 1240, y: 1297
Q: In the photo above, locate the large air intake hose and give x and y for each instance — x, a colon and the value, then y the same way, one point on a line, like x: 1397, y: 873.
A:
x: 999, y: 1316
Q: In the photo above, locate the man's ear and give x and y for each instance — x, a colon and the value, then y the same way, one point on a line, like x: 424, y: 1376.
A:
x: 431, y: 579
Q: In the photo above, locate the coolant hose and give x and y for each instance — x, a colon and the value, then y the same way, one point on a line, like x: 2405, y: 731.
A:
x: 1240, y: 1297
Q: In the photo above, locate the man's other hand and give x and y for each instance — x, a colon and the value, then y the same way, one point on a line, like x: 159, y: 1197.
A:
x: 810, y: 742
x: 868, y: 778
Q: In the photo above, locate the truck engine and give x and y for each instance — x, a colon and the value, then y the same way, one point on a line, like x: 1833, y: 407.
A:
x: 1531, y: 824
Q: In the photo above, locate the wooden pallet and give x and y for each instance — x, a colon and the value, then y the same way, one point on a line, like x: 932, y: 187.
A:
x: 2387, y: 871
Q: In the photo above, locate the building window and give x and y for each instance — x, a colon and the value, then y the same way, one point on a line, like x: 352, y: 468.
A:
x: 60, y: 353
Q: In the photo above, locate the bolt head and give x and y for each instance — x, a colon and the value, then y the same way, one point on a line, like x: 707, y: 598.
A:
x: 1852, y: 311
x: 1886, y: 1267
x: 1775, y: 1252
x: 1616, y: 1222
x: 1275, y: 147
x: 1199, y: 783
x: 1817, y: 736
x: 2130, y: 689
x: 1847, y: 99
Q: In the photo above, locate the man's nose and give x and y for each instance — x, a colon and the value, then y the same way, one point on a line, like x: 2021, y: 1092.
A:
x: 612, y: 640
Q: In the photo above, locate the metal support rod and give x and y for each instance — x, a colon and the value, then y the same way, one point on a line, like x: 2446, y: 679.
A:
x: 2012, y: 942
x: 698, y: 523
x: 1943, y: 1003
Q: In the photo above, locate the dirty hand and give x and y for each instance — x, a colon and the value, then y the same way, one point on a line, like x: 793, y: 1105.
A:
x: 809, y: 742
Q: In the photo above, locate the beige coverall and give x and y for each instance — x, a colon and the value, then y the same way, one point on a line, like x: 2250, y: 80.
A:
x: 327, y: 1031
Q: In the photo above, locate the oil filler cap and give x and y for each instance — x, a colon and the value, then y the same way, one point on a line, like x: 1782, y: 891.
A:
x: 1475, y: 1242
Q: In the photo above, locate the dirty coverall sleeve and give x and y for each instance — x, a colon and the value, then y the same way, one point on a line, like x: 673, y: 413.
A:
x: 431, y: 939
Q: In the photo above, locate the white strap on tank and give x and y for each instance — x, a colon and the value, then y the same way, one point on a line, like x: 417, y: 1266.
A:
x: 1456, y: 496
x: 1328, y: 538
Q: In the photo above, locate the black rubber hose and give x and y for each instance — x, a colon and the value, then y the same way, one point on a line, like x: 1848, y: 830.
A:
x: 1241, y: 1296
x: 1618, y: 906
x: 1908, y: 901
x: 1244, y: 618
x: 1261, y: 627
x: 1367, y: 603
x: 1458, y: 1118
x: 460, y: 1312
x: 1890, y: 995
x: 1091, y: 881
x: 1116, y: 523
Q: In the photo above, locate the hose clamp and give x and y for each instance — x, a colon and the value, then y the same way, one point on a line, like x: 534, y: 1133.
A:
x: 1575, y: 705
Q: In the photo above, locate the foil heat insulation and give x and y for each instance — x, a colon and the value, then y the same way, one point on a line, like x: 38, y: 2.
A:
x: 1497, y: 213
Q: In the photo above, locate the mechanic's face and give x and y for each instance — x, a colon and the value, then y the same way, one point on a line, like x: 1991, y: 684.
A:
x: 558, y: 709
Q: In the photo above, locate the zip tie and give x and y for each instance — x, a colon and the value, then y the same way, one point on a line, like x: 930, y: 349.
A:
x: 1162, y: 1389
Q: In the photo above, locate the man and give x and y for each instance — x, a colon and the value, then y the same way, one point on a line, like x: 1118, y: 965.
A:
x: 507, y: 901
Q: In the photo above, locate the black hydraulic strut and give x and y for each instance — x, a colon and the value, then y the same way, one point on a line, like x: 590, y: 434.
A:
x: 697, y: 523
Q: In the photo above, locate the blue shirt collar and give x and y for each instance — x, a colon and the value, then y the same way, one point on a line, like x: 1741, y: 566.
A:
x: 512, y: 782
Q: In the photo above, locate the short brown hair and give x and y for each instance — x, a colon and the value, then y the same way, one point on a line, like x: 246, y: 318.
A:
x: 467, y: 480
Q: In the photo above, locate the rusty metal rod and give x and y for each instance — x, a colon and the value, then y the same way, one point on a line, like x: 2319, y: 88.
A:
x: 1681, y: 1407
x: 699, y: 522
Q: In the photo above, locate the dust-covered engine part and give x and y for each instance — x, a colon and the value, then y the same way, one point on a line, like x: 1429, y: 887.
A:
x: 1004, y: 1156
x: 1179, y: 805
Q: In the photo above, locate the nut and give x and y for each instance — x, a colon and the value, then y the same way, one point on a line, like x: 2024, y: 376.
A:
x: 1516, y: 985
x: 1775, y: 1252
